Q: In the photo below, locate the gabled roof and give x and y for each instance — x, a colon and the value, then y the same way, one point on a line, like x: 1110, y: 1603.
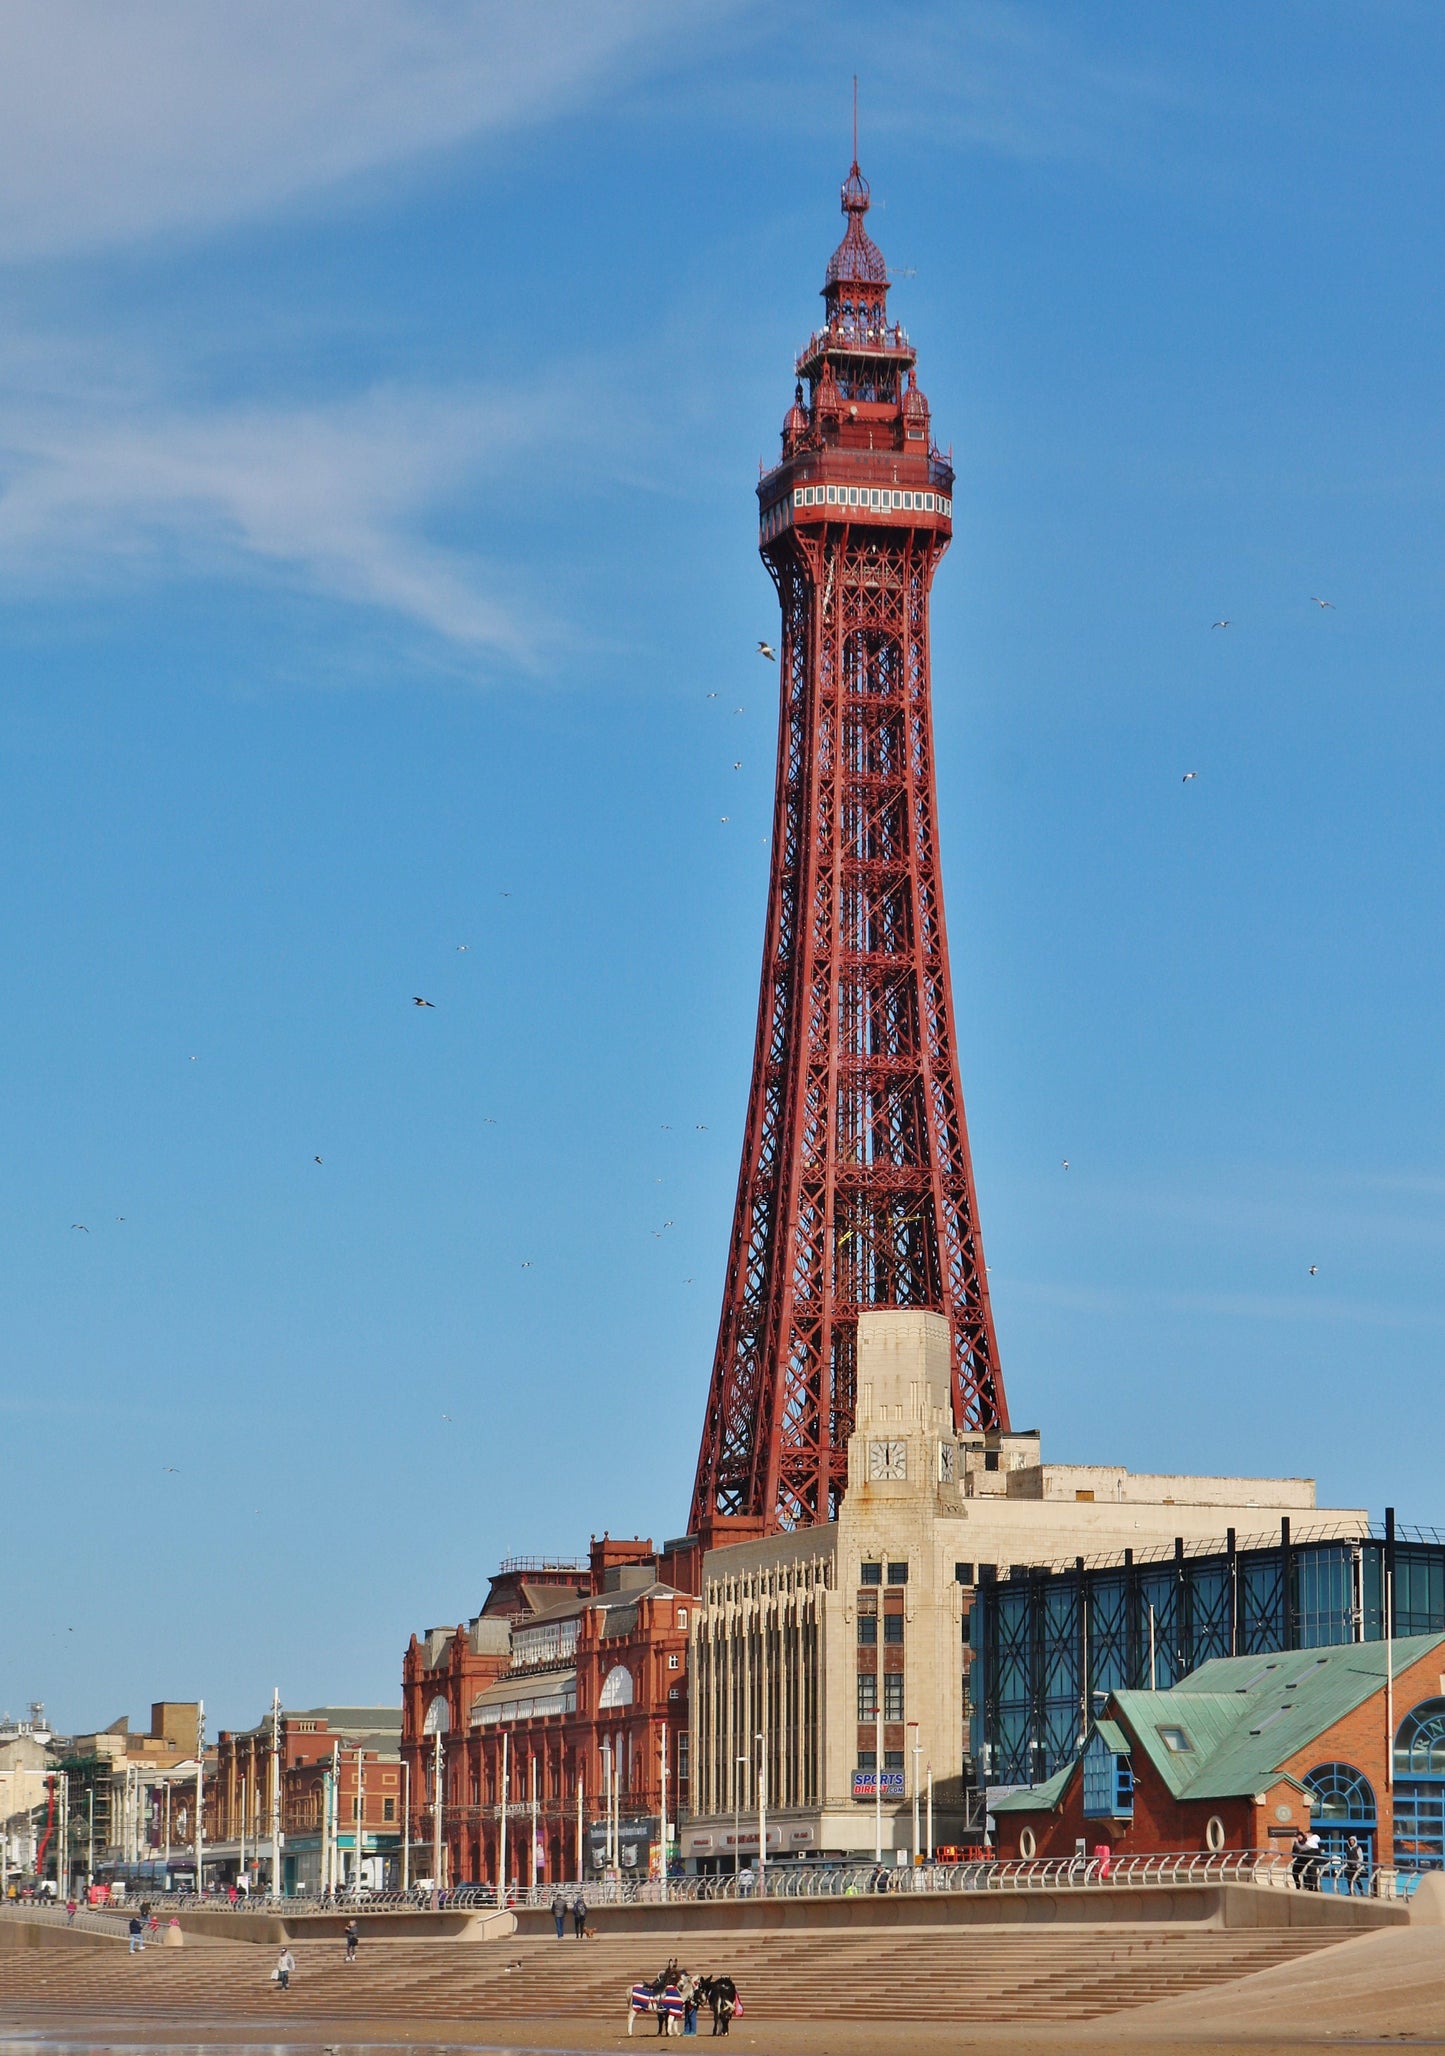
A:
x: 1034, y: 1798
x: 1244, y: 1716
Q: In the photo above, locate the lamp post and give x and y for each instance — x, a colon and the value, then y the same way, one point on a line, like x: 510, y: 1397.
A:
x: 200, y: 1798
x: 579, y: 1827
x: 664, y: 1809
x: 360, y: 1811
x: 436, y: 1813
x: 532, y: 1792
x: 502, y: 1855
x: 762, y: 1818
x: 917, y: 1752
x: 276, y: 1792
x: 930, y: 1813
x: 738, y: 1767
x: 878, y: 1783
x: 406, y: 1824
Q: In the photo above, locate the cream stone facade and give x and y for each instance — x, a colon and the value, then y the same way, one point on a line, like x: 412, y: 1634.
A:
x: 813, y: 1650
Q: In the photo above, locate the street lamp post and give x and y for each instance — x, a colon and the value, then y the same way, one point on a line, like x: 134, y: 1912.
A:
x: 739, y: 1766
x: 930, y: 1813
x: 917, y: 1752
x: 664, y: 1810
x: 762, y: 1818
x: 276, y: 1792
x: 502, y: 1856
x: 360, y: 1811
x: 406, y: 1824
x: 878, y: 1784
x: 436, y: 1813
x: 200, y: 1798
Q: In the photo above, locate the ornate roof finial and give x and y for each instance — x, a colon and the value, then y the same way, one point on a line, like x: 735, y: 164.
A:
x: 857, y: 259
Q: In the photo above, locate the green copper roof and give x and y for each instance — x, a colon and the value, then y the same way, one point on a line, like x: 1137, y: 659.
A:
x: 1034, y: 1798
x: 1240, y: 1717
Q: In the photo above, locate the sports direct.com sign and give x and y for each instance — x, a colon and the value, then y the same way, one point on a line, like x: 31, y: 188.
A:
x: 865, y: 1784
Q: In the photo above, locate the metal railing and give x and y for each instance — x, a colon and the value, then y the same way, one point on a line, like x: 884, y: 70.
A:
x: 810, y: 1881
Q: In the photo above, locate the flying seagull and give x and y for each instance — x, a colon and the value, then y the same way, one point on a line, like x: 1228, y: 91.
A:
x: 463, y: 945
x: 766, y: 650
x: 1187, y: 776
x: 1219, y: 624
x: 315, y: 1160
x: 81, y: 1226
x: 701, y: 1127
x: 423, y: 1002
x: 1314, y: 1270
x: 712, y: 695
x: 1323, y: 603
x: 527, y: 1265
x: 171, y: 1471
x: 724, y: 817
x: 740, y: 710
x: 738, y: 765
x: 1066, y: 1163
x: 446, y: 1417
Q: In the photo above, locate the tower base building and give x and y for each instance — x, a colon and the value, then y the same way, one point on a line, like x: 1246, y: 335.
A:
x: 828, y: 1658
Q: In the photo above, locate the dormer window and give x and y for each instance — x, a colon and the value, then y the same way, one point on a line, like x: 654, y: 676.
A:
x: 1108, y: 1777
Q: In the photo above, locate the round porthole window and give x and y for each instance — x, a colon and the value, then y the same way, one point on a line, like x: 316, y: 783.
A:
x: 1214, y: 1833
x: 1027, y: 1845
x: 1284, y: 1813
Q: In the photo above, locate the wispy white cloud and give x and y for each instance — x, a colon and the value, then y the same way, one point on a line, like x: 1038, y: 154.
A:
x: 120, y: 118
x: 337, y: 499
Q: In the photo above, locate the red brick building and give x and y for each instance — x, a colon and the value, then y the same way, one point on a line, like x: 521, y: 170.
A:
x: 565, y: 1683
x: 320, y: 1752
x: 1246, y: 1751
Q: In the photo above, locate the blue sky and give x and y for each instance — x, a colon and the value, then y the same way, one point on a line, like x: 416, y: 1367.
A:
x: 382, y: 388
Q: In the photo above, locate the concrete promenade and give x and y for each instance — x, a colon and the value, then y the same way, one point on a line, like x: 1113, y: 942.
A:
x: 1225, y: 1968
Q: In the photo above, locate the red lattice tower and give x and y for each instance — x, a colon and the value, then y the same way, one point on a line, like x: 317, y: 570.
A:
x: 856, y: 1188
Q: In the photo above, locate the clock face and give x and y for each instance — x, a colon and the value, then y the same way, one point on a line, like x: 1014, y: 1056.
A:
x: 888, y: 1459
x: 946, y: 1456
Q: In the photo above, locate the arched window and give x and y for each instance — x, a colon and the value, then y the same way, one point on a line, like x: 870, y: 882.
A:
x: 1344, y: 1805
x: 438, y: 1716
x: 1420, y: 1788
x: 617, y: 1688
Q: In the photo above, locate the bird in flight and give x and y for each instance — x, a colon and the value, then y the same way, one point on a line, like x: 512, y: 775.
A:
x: 738, y: 765
x: 724, y: 817
x: 446, y: 1417
x: 423, y: 1002
x: 766, y: 650
x: 527, y: 1265
x: 1066, y: 1163
x: 171, y: 1471
x: 1187, y: 776
x: 712, y: 695
x: 504, y: 895
x: 1219, y: 624
x: 463, y: 946
x: 1323, y: 603
x: 81, y: 1226
x: 1314, y: 1270
x: 701, y: 1127
x: 740, y: 710
x: 489, y: 1120
x: 687, y: 1281
x: 315, y: 1160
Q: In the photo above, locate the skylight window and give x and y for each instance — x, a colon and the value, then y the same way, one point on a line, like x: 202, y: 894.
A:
x: 1175, y: 1741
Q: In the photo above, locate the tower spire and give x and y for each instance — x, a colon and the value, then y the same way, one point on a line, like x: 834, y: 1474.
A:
x: 856, y: 1187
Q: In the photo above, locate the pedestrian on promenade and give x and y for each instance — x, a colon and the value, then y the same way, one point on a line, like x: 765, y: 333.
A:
x: 137, y: 1934
x: 353, y: 1939
x: 1314, y: 1860
x: 559, y: 1912
x: 281, y: 1975
x: 579, y: 1917
x: 1354, y: 1866
x: 72, y: 1907
x: 1298, y: 1860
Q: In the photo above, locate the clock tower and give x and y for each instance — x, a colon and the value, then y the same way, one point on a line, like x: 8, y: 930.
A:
x: 904, y: 1445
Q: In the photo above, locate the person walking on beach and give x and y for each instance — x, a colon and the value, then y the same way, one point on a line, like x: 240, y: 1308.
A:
x: 353, y: 1939
x: 579, y: 1917
x: 281, y: 1975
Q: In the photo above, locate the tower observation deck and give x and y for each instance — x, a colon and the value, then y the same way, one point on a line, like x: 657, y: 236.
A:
x: 856, y: 1187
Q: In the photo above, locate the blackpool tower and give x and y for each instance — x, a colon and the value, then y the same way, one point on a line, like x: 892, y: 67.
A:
x: 856, y: 1189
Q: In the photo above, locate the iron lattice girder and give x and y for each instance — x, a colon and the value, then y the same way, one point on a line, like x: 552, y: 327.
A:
x: 856, y: 1187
